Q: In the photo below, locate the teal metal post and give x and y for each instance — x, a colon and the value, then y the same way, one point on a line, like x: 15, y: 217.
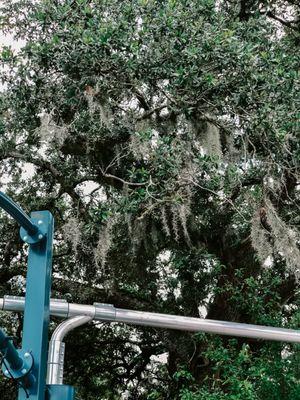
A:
x: 37, y: 231
x: 36, y: 316
x: 60, y: 392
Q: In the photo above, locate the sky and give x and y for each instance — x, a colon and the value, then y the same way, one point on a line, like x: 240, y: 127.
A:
x: 8, y: 40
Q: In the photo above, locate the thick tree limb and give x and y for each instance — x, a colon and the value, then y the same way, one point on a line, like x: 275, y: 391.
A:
x: 66, y: 187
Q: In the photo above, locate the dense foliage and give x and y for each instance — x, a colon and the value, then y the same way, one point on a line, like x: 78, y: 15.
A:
x: 163, y: 136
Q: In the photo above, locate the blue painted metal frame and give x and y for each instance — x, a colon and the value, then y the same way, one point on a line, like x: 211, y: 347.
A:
x: 60, y: 392
x: 17, y: 213
x: 29, y: 364
x: 37, y: 301
x: 9, y: 351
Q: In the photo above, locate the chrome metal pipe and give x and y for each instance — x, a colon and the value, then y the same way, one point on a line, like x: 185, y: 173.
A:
x: 56, y: 355
x: 58, y: 307
x: 107, y: 312
x: 81, y: 309
x: 206, y: 325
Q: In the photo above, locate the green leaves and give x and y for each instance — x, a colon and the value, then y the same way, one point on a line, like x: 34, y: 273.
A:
x: 6, y: 53
x: 160, y: 128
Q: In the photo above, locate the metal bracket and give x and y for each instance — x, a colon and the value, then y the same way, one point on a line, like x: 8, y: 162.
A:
x: 38, y: 236
x: 23, y: 371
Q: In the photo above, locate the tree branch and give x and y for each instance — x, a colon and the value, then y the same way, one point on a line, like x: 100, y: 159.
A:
x: 66, y: 187
x: 125, y: 183
x: 288, y: 24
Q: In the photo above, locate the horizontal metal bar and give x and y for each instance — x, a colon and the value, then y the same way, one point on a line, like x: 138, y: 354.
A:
x: 207, y: 325
x: 107, y: 312
x: 58, y: 308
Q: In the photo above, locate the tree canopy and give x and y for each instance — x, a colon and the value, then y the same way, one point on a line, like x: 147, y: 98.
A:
x: 163, y: 136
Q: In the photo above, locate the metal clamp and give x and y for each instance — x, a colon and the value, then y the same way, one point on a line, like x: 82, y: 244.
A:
x: 105, y: 312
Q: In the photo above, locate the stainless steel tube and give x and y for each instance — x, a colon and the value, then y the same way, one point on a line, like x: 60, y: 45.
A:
x: 13, y: 303
x: 107, y: 312
x: 206, y: 325
x: 81, y: 309
x: 67, y: 326
x: 58, y: 307
x: 56, y: 355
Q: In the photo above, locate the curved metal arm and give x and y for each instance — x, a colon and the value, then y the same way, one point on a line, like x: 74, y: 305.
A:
x: 68, y: 325
x: 57, y: 348
x: 18, y: 214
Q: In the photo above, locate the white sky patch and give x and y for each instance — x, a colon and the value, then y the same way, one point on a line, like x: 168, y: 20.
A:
x: 166, y: 273
x: 8, y: 40
x: 91, y: 188
x: 154, y: 139
x: 268, y: 262
x: 87, y: 187
x: 28, y: 171
x: 160, y: 358
x: 165, y: 255
x: 202, y: 311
